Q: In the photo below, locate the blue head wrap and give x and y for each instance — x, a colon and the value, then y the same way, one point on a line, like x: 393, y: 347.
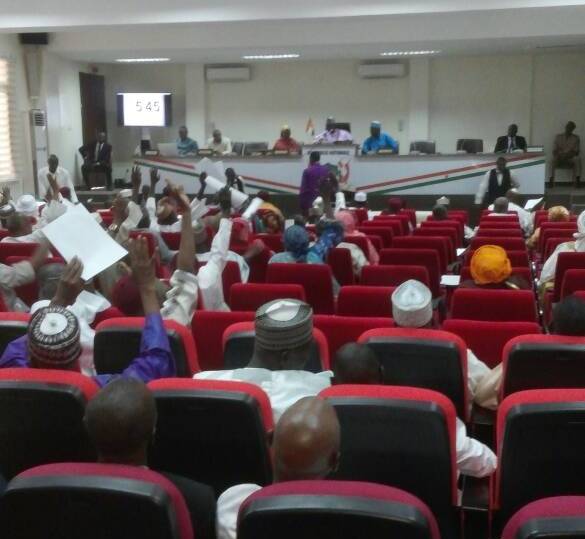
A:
x: 296, y: 241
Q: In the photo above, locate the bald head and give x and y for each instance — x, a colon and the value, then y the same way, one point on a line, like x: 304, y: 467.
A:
x: 501, y: 205
x: 356, y: 364
x: 306, y: 441
x: 120, y: 421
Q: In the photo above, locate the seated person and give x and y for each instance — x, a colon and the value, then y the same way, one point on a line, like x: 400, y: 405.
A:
x: 305, y: 446
x: 566, y: 154
x: 219, y: 144
x: 510, y: 142
x: 360, y: 200
x: 297, y: 248
x: 509, y: 203
x: 286, y: 143
x: 491, y: 269
x: 53, y: 337
x: 282, y: 349
x: 269, y: 218
x: 378, y: 141
x: 568, y: 320
x: 121, y: 422
x: 547, y: 275
x: 556, y: 214
x: 332, y: 134
x: 59, y: 174
x: 185, y: 145
x: 347, y: 219
x: 358, y: 258
x: 394, y: 205
x: 354, y: 365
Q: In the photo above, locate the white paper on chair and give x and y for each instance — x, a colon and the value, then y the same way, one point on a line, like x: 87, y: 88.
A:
x: 533, y: 202
x: 372, y: 214
x: 461, y: 250
x: 450, y: 280
x: 78, y: 234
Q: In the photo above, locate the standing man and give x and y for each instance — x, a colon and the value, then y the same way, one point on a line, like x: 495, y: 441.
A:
x: 219, y: 144
x: 566, y: 154
x: 332, y: 134
x: 313, y: 175
x: 286, y: 143
x: 59, y: 174
x: 97, y: 157
x: 510, y: 142
x: 378, y: 141
x: 496, y: 183
x: 185, y: 145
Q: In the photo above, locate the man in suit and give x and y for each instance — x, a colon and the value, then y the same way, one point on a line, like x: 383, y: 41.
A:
x: 97, y: 157
x: 510, y: 142
x: 121, y: 421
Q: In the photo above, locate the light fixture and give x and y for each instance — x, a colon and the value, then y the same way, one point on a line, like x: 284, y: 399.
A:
x: 408, y: 53
x: 141, y: 60
x: 270, y: 56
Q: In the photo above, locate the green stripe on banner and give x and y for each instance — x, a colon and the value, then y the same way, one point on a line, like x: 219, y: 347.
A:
x: 193, y: 174
x: 446, y: 180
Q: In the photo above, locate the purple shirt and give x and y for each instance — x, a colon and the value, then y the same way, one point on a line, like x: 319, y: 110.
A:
x: 155, y: 359
x: 312, y: 176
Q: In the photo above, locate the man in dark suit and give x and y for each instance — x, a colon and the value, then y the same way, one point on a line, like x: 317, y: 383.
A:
x: 121, y: 421
x: 510, y: 142
x: 97, y: 157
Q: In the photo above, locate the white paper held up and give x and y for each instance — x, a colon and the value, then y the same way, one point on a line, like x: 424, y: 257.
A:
x: 450, y: 280
x: 533, y: 202
x: 78, y: 234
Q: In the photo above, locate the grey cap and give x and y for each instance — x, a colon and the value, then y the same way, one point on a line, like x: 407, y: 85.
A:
x: 283, y: 324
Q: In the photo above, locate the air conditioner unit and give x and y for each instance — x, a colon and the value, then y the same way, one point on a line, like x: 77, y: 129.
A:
x: 382, y: 71
x: 228, y: 74
x: 39, y: 142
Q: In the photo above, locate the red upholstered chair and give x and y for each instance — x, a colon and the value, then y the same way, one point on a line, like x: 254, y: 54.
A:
x: 523, y: 272
x: 4, y: 233
x: 107, y: 314
x: 551, y: 245
x: 172, y: 239
x: 258, y: 266
x: 437, y: 232
x: 573, y: 281
x: 399, y: 436
x: 272, y: 241
x: 509, y: 225
x: 12, y: 326
x: 360, y: 241
x: 495, y: 305
x: 316, y: 279
x: 540, y: 216
x: 207, y: 328
x: 117, y: 343
x: 543, y: 362
x: 29, y: 293
x: 510, y: 244
x: 94, y: 500
x: 425, y: 358
x: 231, y: 275
x: 365, y: 301
x: 561, y: 516
x: 340, y: 509
x: 393, y: 275
x: 540, y: 442
x: 251, y: 296
x: 518, y: 259
x: 411, y: 215
x: 499, y: 233
x: 212, y: 431
x: 451, y: 224
x: 487, y: 339
x: 16, y: 249
x: 565, y: 262
x: 441, y: 245
x: 340, y: 330
x: 392, y: 223
x: 376, y: 241
x: 401, y: 218
x: 385, y: 233
x: 462, y: 215
x: 361, y: 214
x: 238, y: 348
x: 545, y: 235
x: 429, y: 258
x: 41, y: 418
x: 341, y: 265
x: 487, y: 215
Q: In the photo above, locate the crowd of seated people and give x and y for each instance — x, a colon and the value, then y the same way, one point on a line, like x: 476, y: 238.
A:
x: 178, y: 254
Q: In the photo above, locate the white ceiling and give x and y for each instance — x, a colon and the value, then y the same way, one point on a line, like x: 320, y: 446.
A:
x: 225, y: 30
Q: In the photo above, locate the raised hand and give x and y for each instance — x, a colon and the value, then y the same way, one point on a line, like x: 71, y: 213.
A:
x: 136, y: 178
x: 225, y: 199
x: 70, y: 284
x: 154, y: 178
x: 177, y: 194
x: 142, y: 264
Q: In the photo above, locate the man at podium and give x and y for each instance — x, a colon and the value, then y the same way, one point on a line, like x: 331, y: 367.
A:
x: 333, y: 134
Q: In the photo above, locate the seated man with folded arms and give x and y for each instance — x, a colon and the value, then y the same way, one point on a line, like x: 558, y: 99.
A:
x: 305, y: 446
x: 53, y: 337
x: 121, y: 422
x: 355, y: 365
x: 282, y: 349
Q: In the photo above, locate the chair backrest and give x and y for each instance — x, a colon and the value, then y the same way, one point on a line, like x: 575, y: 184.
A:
x: 393, y: 222
x: 361, y: 214
x: 212, y: 431
x: 499, y: 232
x: 546, y: 234
x: 488, y: 339
x: 566, y: 261
x: 341, y: 265
x: 251, y: 296
x: 429, y: 258
x: 376, y: 241
x: 440, y: 245
x: 12, y: 326
x: 543, y: 362
x: 172, y: 239
x: 550, y: 518
x: 448, y: 223
x: 470, y: 145
x: 425, y: 358
x: 450, y: 233
x: 381, y: 426
x: 551, y: 245
x: 360, y: 241
x: 340, y: 509
x: 490, y: 215
x: 272, y: 241
x: 518, y: 259
x: 340, y: 330
x: 393, y: 275
x: 16, y: 249
x: 522, y: 272
x: 540, y: 443
x: 385, y: 233
x: 423, y: 146
x: 402, y: 218
x: 117, y: 343
x: 316, y: 279
x: 411, y: 215
x: 509, y: 244
x: 207, y: 328
x: 494, y: 305
x: 573, y: 281
x: 94, y: 500
x: 41, y: 418
x: 460, y: 215
x: 365, y: 301
x: 238, y: 348
x: 500, y: 224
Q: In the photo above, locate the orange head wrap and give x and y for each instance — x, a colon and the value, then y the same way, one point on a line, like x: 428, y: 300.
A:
x: 490, y: 264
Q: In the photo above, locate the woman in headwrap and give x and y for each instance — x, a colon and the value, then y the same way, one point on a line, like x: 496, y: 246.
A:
x: 395, y: 204
x: 297, y: 246
x: 491, y: 268
x: 556, y: 214
x: 547, y: 275
x: 347, y: 219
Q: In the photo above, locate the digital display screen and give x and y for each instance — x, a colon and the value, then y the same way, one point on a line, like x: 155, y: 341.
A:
x: 144, y: 109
